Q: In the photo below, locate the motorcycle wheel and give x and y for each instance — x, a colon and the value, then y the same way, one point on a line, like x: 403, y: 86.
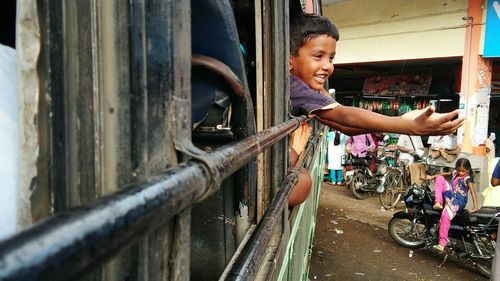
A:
x: 487, y: 248
x: 406, y: 233
x: 392, y: 190
x: 483, y: 266
x: 358, y: 180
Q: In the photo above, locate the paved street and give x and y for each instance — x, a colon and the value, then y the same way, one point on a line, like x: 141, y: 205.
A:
x: 351, y: 243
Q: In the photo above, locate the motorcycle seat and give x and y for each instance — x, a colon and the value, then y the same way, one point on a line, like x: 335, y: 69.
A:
x: 359, y: 162
x: 484, y: 215
x: 461, y: 219
x: 431, y: 211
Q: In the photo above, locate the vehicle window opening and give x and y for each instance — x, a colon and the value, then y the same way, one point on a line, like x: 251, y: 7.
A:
x: 8, y: 23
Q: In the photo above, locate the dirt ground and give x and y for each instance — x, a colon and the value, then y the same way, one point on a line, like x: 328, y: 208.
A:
x: 351, y: 243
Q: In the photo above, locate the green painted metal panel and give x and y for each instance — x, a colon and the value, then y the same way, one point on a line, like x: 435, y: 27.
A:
x: 298, y: 250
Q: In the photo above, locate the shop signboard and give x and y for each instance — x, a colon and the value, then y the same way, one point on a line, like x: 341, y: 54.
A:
x: 492, y: 33
x: 398, y: 85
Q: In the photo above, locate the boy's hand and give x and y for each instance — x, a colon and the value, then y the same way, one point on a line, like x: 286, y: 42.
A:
x: 427, y: 122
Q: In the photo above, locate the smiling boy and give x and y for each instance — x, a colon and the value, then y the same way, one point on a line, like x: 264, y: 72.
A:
x: 313, y: 43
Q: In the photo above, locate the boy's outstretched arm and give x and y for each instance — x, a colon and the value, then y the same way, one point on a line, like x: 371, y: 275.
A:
x: 417, y: 122
x: 346, y: 130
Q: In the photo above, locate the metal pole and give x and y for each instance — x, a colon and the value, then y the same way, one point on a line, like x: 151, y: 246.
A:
x: 75, y: 242
x: 248, y: 262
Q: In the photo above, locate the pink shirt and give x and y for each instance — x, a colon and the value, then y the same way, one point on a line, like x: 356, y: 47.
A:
x: 359, y: 145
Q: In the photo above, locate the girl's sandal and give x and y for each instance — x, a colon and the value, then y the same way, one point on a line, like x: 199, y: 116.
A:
x: 437, y: 206
x: 439, y: 247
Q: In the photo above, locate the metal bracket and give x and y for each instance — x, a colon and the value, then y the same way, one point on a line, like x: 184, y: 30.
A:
x: 183, y: 143
x: 182, y: 118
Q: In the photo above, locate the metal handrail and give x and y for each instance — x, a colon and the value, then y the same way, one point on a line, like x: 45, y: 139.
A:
x: 76, y: 241
x: 248, y: 262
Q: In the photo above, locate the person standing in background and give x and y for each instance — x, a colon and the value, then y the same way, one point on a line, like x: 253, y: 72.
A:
x: 409, y: 146
x: 336, y: 150
x: 495, y: 177
x: 360, y: 145
x: 491, y: 194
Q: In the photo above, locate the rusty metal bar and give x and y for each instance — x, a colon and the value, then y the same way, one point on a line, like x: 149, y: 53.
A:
x: 78, y: 240
x: 222, y: 69
x: 248, y: 262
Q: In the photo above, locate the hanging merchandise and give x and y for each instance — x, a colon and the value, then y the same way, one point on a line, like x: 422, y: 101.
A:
x: 398, y: 85
x: 422, y: 104
x: 394, y: 95
x: 403, y: 108
x: 387, y: 106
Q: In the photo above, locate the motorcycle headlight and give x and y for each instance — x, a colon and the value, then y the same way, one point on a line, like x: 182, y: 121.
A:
x: 414, y: 196
x: 418, y: 191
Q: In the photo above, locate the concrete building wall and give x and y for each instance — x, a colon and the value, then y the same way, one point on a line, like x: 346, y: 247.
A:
x: 373, y: 31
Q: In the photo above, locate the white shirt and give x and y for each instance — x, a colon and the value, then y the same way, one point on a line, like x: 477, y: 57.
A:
x: 336, y: 152
x: 439, y: 142
x: 418, y: 147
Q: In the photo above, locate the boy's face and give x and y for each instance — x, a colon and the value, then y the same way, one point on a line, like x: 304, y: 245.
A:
x: 314, y: 63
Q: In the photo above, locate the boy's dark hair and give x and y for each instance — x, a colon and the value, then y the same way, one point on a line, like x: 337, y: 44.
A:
x: 464, y: 163
x: 304, y: 27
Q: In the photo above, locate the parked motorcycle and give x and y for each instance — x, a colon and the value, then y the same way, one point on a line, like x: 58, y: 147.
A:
x: 472, y: 236
x: 363, y: 179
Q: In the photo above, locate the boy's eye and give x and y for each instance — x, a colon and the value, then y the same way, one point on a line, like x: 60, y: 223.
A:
x: 331, y: 59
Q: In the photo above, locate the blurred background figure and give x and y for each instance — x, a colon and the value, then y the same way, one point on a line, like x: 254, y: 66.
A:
x: 336, y: 151
x: 409, y: 147
x: 360, y: 145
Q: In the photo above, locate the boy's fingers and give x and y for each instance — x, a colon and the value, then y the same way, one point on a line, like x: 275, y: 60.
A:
x: 444, y: 118
x: 457, y: 122
x: 453, y: 126
x: 452, y: 115
x: 457, y: 125
x: 427, y: 112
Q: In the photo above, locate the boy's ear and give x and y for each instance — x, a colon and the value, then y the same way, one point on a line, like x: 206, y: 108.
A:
x: 290, y: 64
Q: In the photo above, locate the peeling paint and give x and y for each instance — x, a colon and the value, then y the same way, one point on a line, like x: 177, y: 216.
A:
x: 242, y: 222
x: 28, y: 49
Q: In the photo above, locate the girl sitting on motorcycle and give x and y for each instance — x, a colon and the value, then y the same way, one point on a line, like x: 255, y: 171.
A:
x: 455, y: 197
